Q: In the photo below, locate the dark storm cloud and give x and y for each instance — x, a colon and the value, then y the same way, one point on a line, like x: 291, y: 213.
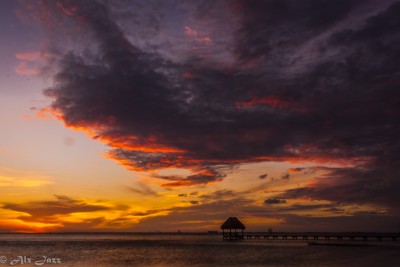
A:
x: 309, y: 207
x: 203, y: 176
x: 305, y: 81
x: 272, y: 201
x: 195, y: 179
x: 272, y: 27
x: 263, y: 176
x: 285, y: 176
x: 378, y: 185
x: 142, y: 189
x: 220, y: 195
x: 334, y: 210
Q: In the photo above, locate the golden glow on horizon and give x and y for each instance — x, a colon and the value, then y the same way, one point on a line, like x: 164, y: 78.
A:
x: 130, y: 209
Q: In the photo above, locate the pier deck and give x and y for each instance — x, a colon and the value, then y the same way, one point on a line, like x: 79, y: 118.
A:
x: 325, y: 236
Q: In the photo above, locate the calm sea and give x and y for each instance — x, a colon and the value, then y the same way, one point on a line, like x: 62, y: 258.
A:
x: 182, y: 250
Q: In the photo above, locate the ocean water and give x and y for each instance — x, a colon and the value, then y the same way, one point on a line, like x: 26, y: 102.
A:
x: 183, y: 250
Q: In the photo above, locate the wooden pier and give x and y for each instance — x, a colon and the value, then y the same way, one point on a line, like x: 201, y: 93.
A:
x: 325, y: 236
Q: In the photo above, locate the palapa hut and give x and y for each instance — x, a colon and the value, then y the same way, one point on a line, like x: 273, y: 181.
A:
x: 232, y: 223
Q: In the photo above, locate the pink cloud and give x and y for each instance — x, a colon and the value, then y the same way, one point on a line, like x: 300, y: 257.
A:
x: 198, y: 37
x: 30, y: 56
x: 190, y: 32
x: 26, y: 116
x: 30, y: 62
x: 23, y: 69
x: 69, y: 10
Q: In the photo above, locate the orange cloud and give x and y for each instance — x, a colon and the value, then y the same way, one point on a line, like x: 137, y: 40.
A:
x: 63, y: 205
x: 6, y: 181
x: 295, y: 170
x: 149, y: 144
x: 39, y: 216
x: 17, y: 226
x: 69, y: 214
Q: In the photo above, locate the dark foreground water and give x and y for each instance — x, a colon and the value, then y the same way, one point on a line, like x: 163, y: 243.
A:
x: 183, y: 250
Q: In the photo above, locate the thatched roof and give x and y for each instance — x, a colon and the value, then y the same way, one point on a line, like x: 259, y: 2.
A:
x: 233, y: 223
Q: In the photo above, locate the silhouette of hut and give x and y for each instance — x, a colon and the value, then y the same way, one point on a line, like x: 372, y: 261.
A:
x: 232, y: 223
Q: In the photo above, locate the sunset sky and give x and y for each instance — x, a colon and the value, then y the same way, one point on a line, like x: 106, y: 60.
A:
x: 167, y: 115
